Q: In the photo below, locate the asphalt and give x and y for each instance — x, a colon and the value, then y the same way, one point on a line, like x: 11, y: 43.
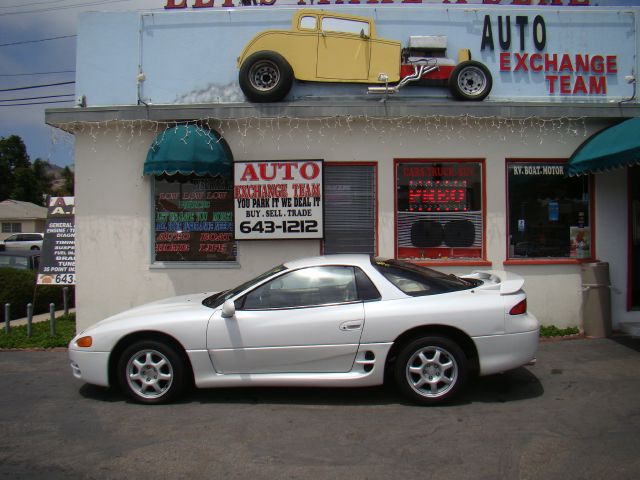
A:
x: 574, y: 415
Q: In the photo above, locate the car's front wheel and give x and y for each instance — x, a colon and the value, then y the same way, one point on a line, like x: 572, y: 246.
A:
x: 151, y: 372
x: 431, y: 370
x: 265, y: 77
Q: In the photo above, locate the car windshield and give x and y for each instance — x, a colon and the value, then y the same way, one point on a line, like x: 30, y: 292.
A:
x: 417, y: 281
x: 219, y: 298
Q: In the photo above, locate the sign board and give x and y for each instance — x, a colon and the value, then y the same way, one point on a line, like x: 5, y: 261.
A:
x: 534, y: 53
x: 58, y: 259
x: 280, y: 199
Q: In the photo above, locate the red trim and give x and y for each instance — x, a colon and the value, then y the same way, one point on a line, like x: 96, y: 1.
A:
x: 375, y: 180
x: 482, y: 261
x: 549, y: 261
x: 629, y: 241
x: 448, y: 263
x: 592, y: 218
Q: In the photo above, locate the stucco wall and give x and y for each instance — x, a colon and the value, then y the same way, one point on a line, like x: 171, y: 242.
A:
x: 114, y: 210
x: 612, y: 239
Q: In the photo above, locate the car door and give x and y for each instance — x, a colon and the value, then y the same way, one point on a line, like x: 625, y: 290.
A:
x: 304, y: 321
x: 343, y: 49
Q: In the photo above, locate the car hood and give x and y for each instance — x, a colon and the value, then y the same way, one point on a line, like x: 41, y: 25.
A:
x: 161, y: 308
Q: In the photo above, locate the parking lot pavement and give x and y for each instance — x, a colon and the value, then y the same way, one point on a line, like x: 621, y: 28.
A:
x: 575, y: 415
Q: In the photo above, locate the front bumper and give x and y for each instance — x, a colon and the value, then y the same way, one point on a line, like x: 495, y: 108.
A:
x: 90, y: 367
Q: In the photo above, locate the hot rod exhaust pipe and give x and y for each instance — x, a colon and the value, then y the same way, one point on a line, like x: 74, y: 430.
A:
x: 419, y: 69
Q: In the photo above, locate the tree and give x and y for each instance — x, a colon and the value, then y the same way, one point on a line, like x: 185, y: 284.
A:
x: 13, y: 155
x: 25, y: 181
x: 67, y: 188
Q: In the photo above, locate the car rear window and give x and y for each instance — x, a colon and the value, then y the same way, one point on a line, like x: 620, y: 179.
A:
x: 418, y: 281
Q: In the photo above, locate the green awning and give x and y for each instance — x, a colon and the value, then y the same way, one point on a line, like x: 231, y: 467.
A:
x: 189, y: 150
x: 613, y: 147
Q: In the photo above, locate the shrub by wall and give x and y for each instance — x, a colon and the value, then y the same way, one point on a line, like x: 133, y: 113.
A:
x: 17, y: 287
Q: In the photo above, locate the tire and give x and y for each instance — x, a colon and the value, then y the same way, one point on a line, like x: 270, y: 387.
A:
x: 471, y: 81
x: 431, y: 370
x: 265, y: 77
x: 151, y: 372
x: 35, y: 247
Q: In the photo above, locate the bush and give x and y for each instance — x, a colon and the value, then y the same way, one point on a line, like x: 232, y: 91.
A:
x: 553, y: 331
x: 41, y: 334
x: 18, y: 287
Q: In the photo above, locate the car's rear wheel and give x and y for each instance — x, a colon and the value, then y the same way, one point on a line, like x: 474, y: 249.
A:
x: 265, y: 77
x: 151, y: 371
x: 431, y: 370
x: 470, y: 80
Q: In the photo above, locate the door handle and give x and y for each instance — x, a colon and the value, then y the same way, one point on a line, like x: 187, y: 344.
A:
x: 348, y: 326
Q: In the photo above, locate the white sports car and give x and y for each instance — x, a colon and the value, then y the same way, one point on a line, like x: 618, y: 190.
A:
x: 341, y: 320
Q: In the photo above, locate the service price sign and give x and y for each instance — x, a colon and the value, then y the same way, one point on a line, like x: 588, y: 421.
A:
x: 58, y: 257
x: 278, y: 200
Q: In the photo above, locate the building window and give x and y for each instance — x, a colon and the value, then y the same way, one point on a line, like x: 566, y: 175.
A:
x: 349, y: 209
x: 193, y: 219
x: 439, y: 210
x: 549, y: 213
x: 11, y: 227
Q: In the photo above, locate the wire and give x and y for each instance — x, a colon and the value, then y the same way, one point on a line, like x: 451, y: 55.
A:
x: 35, y: 103
x: 64, y: 7
x: 37, y: 98
x: 35, y: 41
x: 49, y: 2
x: 34, y: 73
x: 35, y: 86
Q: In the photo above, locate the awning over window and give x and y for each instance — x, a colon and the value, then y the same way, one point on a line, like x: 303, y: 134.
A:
x: 187, y: 150
x: 613, y: 147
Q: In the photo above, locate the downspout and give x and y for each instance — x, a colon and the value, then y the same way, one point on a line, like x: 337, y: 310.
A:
x: 140, y: 77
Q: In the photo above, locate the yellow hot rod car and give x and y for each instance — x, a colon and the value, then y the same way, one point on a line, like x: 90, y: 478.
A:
x: 331, y: 47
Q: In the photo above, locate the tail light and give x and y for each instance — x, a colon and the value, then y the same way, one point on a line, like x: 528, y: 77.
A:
x: 519, y: 308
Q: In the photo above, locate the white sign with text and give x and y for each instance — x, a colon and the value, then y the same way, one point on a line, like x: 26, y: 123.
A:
x: 278, y: 199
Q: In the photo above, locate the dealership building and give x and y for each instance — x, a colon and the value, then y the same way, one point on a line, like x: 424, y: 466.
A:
x: 183, y: 184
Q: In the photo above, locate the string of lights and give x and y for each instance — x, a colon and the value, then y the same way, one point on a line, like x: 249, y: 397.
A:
x: 337, y: 129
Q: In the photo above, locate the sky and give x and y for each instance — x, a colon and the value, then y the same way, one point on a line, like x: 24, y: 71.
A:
x: 37, y: 47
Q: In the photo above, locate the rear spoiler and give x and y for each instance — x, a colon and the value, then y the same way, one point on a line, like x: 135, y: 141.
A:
x: 508, y: 282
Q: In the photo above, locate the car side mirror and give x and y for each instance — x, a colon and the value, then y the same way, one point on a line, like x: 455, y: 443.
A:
x: 363, y: 35
x: 228, y: 309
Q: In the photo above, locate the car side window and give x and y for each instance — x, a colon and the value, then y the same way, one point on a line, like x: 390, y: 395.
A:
x: 343, y: 25
x: 307, y: 287
x: 308, y: 23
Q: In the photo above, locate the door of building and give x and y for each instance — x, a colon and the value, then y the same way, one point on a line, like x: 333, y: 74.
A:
x: 634, y: 232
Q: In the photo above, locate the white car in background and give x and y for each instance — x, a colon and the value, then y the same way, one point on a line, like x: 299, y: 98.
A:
x: 23, y: 241
x: 341, y: 320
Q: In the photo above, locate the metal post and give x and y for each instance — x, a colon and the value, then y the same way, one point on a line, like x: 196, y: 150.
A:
x: 7, y: 317
x: 52, y: 318
x: 65, y: 298
x: 29, y: 319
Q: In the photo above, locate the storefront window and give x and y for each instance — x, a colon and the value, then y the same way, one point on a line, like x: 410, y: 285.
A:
x: 194, y: 219
x: 549, y: 214
x: 439, y: 210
